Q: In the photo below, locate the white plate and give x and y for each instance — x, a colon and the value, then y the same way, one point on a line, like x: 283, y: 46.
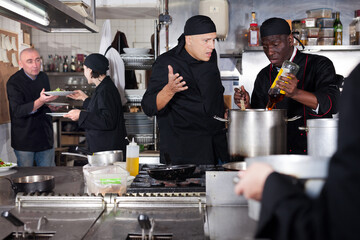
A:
x: 57, y: 104
x: 57, y: 114
x: 59, y: 93
x: 3, y: 169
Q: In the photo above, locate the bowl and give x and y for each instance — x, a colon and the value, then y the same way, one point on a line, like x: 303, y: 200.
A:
x: 136, y: 51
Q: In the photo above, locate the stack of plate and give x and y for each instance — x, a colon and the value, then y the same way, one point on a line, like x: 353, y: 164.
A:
x: 139, y: 126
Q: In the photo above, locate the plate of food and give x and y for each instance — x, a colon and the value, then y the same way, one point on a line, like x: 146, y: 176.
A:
x: 57, y: 114
x: 5, y: 166
x: 58, y: 92
x: 57, y: 104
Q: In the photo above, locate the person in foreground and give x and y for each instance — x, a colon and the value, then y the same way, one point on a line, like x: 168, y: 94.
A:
x: 102, y: 117
x: 32, y: 136
x: 287, y: 212
x: 311, y: 94
x: 185, y: 92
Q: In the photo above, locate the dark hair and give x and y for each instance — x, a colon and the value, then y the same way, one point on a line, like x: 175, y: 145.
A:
x: 95, y: 74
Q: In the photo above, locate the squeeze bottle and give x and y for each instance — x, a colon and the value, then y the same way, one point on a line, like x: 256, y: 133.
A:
x: 132, y: 158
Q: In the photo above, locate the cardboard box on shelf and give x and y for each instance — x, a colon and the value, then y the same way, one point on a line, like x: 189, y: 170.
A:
x: 69, y: 140
x: 27, y: 38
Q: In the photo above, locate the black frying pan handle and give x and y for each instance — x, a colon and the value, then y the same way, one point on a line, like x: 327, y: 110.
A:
x: 11, y: 218
x: 167, y: 159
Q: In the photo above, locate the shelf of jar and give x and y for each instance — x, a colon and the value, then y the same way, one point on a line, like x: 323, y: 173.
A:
x: 316, y: 48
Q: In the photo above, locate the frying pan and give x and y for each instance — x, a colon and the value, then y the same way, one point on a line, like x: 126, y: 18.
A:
x: 34, y: 183
x: 171, y: 172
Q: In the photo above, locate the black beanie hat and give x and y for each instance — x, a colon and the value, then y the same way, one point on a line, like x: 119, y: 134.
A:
x: 97, y: 62
x: 274, y: 26
x: 199, y: 24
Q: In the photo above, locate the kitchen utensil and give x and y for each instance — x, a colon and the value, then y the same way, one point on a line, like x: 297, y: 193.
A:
x: 321, y: 136
x: 34, y: 183
x: 103, y: 158
x: 12, y: 218
x: 256, y: 132
x: 144, y: 224
x: 171, y: 172
x: 234, y: 166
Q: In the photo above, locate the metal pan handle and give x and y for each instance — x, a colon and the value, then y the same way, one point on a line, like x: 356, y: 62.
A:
x: 74, y: 154
x: 220, y: 119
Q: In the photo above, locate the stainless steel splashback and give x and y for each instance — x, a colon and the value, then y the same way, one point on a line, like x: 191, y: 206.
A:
x: 240, y: 14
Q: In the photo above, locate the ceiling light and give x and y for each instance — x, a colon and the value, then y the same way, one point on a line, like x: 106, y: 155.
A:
x: 27, y: 10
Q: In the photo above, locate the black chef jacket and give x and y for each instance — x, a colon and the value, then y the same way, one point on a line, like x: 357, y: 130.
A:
x: 103, y: 119
x: 188, y: 131
x: 316, y: 75
x: 31, y: 132
x: 287, y: 213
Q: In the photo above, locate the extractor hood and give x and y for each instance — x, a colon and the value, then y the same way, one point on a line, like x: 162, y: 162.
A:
x: 48, y: 15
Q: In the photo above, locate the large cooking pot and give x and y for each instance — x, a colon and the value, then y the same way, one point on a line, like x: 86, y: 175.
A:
x: 321, y: 136
x: 34, y: 183
x: 235, y: 166
x: 310, y: 170
x: 256, y: 132
x: 103, y: 158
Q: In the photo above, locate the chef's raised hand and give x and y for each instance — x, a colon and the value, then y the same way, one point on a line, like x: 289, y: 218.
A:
x: 73, y: 114
x: 252, y: 180
x: 175, y: 81
x: 78, y: 95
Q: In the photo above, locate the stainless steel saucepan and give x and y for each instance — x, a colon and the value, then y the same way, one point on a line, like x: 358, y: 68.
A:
x: 103, y: 158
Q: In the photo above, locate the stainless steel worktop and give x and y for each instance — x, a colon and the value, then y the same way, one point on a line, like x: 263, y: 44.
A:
x: 73, y: 215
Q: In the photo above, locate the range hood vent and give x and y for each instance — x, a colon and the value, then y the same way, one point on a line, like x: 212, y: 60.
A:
x: 48, y: 15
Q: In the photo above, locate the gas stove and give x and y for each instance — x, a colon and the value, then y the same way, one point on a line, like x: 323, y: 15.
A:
x: 194, y: 183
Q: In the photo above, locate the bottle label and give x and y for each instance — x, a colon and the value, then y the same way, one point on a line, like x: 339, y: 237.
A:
x: 253, y: 37
x: 282, y: 72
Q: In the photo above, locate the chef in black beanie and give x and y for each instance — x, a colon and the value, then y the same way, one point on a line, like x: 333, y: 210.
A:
x: 185, y: 93
x: 102, y: 117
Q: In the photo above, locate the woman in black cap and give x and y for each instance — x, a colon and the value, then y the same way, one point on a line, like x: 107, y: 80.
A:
x: 102, y: 117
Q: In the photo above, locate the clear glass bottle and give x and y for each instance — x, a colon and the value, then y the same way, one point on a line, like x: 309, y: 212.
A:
x: 72, y: 64
x: 275, y: 94
x: 338, y: 30
x: 254, y: 32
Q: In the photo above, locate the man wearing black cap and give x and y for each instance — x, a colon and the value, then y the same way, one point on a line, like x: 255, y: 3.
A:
x: 102, y: 117
x: 185, y: 92
x: 312, y: 93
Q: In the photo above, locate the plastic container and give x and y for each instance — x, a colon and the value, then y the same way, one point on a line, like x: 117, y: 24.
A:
x: 319, y: 13
x: 309, y: 22
x: 312, y: 41
x: 326, y: 32
x: 313, y: 32
x: 326, y: 41
x: 107, y: 179
x: 132, y: 158
x: 325, y: 22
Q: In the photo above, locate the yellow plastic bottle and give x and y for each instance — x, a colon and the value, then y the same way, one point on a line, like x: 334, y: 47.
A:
x: 132, y: 158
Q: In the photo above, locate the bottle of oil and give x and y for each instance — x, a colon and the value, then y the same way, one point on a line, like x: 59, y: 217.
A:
x: 338, y: 30
x: 275, y: 94
x: 254, y: 32
x: 132, y: 158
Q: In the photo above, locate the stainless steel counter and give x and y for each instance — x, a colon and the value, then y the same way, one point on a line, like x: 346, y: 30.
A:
x: 72, y: 215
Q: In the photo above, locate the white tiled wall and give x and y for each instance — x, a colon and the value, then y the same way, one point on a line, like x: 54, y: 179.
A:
x: 6, y: 152
x: 138, y: 33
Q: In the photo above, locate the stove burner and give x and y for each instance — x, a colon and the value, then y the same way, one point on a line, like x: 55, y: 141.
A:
x: 143, y: 183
